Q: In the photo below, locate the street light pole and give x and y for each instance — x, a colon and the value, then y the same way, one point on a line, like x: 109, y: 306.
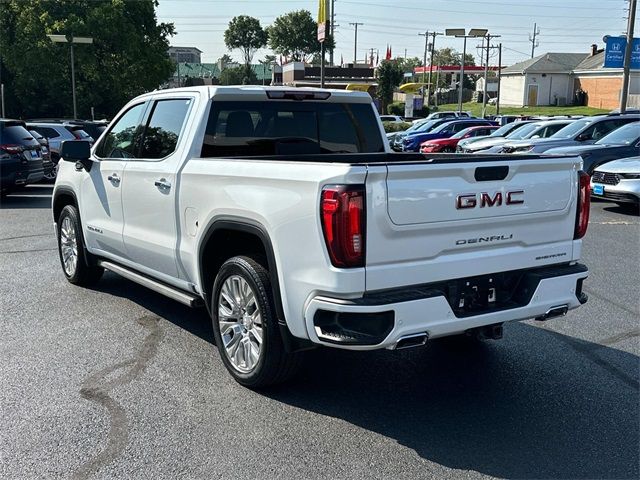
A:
x: 461, y: 33
x: 71, y: 41
x: 461, y: 86
x: 355, y: 42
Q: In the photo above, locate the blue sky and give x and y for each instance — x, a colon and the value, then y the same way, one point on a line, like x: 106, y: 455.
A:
x: 565, y: 25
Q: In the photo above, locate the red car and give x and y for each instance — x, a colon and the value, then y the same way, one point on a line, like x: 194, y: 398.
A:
x: 446, y: 145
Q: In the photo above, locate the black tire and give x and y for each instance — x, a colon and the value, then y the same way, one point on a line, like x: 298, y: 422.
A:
x: 274, y: 365
x: 85, y: 272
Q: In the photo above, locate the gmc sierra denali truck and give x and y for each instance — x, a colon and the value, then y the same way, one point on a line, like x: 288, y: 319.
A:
x: 286, y: 215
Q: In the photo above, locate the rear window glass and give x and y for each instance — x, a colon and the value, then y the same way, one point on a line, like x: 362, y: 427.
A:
x: 281, y: 128
x: 16, y: 135
x: 78, y: 132
x: 47, y: 132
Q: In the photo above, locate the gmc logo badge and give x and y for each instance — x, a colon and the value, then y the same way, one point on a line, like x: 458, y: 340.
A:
x: 484, y: 199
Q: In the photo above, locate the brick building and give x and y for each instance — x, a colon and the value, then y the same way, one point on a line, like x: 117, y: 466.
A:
x: 602, y: 86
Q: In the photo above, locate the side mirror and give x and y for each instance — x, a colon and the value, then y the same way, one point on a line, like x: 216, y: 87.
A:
x: 77, y: 151
x: 536, y: 136
x: 583, y: 137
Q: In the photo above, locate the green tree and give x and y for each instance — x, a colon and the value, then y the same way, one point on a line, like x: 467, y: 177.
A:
x: 128, y: 56
x: 294, y: 35
x: 237, y: 76
x: 247, y: 35
x: 450, y: 56
x: 389, y: 76
x: 408, y: 64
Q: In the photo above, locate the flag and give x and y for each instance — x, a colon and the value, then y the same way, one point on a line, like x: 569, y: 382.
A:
x: 377, y: 57
x: 388, y: 56
x: 341, y: 60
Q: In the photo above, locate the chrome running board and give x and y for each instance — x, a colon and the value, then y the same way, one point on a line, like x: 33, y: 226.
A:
x: 178, y: 295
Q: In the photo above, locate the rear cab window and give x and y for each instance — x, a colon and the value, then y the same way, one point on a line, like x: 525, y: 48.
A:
x: 253, y: 128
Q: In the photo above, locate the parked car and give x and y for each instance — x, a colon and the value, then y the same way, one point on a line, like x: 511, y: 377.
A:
x: 583, y: 131
x: 20, y: 156
x: 618, y: 181
x: 501, y: 132
x: 298, y: 245
x: 448, y: 145
x: 93, y: 127
x: 391, y: 118
x: 530, y: 129
x: 47, y: 164
x: 421, y: 127
x: 448, y: 114
x: 412, y: 142
x: 56, y: 133
x: 621, y: 143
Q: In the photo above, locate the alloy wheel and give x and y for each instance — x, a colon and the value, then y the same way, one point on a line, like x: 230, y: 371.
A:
x: 240, y: 322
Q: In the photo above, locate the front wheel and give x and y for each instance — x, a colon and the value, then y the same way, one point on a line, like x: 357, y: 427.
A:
x: 74, y: 262
x: 246, y: 328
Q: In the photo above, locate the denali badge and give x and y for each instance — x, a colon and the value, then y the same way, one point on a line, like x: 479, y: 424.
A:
x: 471, y: 200
x: 492, y: 238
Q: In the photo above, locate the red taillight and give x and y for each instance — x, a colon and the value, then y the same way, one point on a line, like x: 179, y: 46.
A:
x: 584, y: 204
x: 9, y: 148
x: 343, y: 224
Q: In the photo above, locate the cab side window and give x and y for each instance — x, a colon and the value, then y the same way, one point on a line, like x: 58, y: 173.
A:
x: 163, y: 129
x: 123, y: 139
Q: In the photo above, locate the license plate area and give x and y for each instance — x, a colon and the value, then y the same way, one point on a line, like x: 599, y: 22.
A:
x: 598, y: 189
x: 477, y: 295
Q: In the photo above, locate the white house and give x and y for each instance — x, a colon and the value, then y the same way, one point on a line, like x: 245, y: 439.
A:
x: 543, y: 80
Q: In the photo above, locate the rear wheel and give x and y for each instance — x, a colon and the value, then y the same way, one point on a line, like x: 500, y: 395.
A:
x: 71, y: 245
x: 246, y: 328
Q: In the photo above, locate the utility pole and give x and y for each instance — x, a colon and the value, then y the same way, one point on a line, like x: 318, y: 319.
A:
x: 371, y: 50
x: 424, y: 62
x: 355, y: 42
x: 627, y: 56
x: 499, y: 78
x: 433, y: 48
x: 486, y: 73
x: 532, y: 39
x: 332, y: 15
x: 2, y: 111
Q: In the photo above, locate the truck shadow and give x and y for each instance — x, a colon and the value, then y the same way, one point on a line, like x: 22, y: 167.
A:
x: 537, y: 404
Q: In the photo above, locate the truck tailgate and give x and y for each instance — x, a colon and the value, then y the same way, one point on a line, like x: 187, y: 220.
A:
x: 449, y: 218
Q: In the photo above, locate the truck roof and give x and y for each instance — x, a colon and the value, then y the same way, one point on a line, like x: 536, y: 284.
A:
x: 258, y: 92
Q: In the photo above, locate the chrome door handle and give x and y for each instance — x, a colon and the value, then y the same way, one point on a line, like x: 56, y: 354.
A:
x: 163, y: 184
x: 114, y: 178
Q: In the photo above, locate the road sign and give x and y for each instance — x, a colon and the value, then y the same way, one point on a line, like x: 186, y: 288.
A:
x: 614, y: 53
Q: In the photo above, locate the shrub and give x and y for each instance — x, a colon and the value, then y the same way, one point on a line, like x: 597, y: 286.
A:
x: 395, y: 108
x: 390, y: 127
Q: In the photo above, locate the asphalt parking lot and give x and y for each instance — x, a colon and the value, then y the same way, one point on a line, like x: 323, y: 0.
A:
x: 120, y: 382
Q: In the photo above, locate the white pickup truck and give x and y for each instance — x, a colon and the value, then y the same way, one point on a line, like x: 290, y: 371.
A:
x: 287, y: 216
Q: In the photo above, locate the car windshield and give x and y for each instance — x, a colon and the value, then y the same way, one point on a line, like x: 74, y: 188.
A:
x: 423, y: 127
x: 508, y: 128
x: 625, y: 135
x: 523, y: 132
x: 572, y: 129
x: 441, y: 127
x: 462, y: 133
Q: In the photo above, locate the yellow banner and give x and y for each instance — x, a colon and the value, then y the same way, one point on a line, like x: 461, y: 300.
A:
x: 323, y: 9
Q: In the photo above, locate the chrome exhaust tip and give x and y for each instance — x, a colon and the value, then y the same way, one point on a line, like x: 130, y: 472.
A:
x: 559, y: 311
x: 410, y: 341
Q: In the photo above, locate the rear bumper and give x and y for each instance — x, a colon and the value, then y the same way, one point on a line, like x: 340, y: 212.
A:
x: 421, y: 309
